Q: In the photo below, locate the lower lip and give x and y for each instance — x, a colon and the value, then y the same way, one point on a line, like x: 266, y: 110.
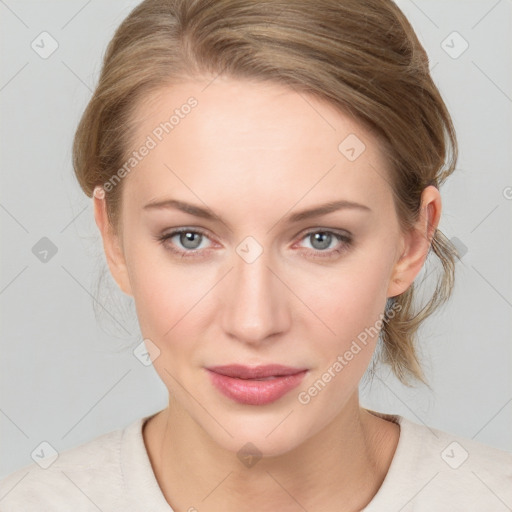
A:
x: 255, y: 392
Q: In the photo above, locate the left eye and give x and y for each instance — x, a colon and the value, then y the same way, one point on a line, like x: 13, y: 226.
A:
x: 321, y: 241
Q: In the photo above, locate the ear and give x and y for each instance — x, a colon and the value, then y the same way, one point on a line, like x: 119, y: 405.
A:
x: 112, y: 244
x: 416, y: 244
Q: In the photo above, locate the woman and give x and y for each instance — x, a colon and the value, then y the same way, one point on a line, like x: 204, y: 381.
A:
x: 265, y: 178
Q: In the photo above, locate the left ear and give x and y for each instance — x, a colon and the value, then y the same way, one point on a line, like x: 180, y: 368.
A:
x: 416, y: 243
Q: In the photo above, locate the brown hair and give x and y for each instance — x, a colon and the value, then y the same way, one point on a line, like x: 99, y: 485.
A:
x: 362, y: 56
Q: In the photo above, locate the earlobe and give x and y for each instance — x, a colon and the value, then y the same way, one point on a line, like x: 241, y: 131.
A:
x: 111, y: 242
x: 416, y: 243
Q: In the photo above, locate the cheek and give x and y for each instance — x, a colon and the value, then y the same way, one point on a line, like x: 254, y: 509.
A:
x: 168, y: 300
x: 349, y: 298
x: 351, y: 304
x: 176, y: 305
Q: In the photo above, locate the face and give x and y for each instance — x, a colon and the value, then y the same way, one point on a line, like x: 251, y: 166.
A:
x: 254, y: 283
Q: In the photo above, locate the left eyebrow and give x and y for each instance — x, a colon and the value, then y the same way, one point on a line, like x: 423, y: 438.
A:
x: 205, y: 213
x: 323, y: 209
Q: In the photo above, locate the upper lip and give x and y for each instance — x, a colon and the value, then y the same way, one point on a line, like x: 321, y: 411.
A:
x: 255, y: 372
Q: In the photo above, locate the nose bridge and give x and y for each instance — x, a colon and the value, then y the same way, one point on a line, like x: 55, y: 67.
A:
x: 255, y: 307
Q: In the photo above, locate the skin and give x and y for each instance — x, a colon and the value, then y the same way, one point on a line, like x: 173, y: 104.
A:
x: 253, y: 153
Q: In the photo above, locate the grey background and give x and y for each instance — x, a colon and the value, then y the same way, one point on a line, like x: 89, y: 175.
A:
x: 68, y: 376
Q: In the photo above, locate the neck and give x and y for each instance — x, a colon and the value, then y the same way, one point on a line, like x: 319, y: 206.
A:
x: 339, y: 468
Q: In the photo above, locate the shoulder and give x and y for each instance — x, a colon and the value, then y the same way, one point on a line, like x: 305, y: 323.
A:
x: 458, y: 452
x: 465, y: 473
x: 435, y: 469
x: 87, y: 477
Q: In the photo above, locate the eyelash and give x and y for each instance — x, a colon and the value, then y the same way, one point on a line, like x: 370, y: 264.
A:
x: 346, y: 240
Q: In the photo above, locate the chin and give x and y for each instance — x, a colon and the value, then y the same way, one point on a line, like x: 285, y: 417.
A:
x: 268, y: 433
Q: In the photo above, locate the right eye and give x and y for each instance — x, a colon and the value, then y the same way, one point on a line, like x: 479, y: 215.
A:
x: 189, y: 239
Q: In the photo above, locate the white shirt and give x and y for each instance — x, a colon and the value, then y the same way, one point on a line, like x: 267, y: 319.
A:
x: 431, y: 470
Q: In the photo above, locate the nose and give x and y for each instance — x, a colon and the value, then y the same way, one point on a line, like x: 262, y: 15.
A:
x: 255, y: 303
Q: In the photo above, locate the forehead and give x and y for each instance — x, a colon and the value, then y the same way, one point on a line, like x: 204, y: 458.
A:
x: 252, y: 139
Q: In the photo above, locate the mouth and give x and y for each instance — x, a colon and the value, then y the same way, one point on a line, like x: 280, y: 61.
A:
x: 258, y: 385
x: 239, y: 371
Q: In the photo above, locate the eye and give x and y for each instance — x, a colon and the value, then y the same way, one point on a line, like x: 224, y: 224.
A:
x: 188, y: 241
x: 327, y: 244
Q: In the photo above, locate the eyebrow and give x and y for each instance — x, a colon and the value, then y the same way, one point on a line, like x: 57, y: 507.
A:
x: 205, y: 213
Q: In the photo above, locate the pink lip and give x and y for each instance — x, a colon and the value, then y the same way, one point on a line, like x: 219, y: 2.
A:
x: 242, y: 384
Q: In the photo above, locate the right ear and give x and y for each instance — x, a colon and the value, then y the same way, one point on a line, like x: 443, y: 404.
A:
x: 112, y: 244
